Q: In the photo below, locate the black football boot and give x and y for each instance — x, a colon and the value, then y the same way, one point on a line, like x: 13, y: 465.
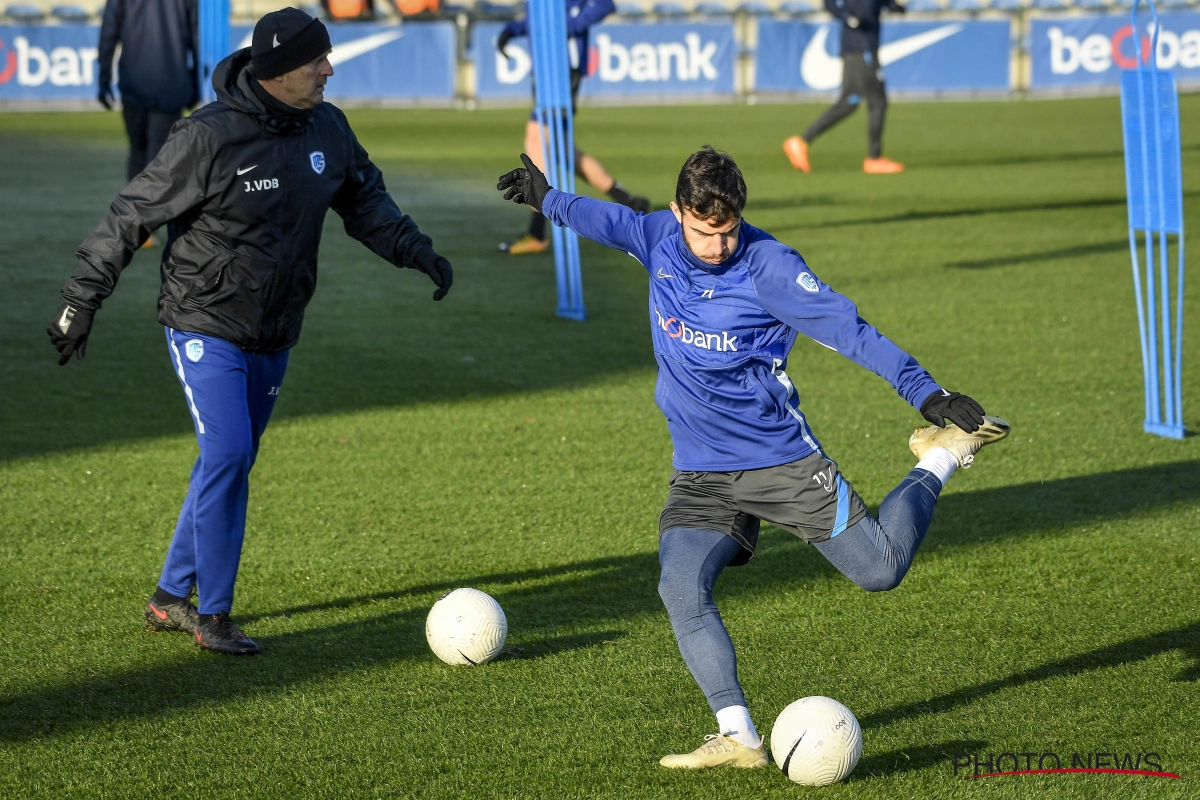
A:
x: 217, y: 632
x: 166, y: 612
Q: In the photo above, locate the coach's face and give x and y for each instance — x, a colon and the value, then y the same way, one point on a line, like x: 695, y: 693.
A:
x: 303, y: 87
x: 708, y: 242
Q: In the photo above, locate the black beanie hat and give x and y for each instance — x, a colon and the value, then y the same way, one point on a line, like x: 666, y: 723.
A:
x: 284, y: 40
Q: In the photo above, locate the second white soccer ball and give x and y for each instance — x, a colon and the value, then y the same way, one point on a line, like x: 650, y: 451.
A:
x: 816, y: 741
x: 466, y: 626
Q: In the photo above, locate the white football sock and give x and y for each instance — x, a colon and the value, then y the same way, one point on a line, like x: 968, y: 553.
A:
x: 734, y: 722
x: 941, y: 462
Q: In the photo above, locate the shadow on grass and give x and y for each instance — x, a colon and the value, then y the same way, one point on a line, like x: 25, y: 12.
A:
x: 1045, y: 255
x: 912, y: 759
x: 588, y: 598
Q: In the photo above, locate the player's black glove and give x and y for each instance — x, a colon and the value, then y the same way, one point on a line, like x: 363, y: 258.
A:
x: 69, y: 332
x: 528, y: 185
x: 436, y: 267
x: 852, y: 21
x: 942, y: 407
x: 106, y: 96
x: 501, y: 43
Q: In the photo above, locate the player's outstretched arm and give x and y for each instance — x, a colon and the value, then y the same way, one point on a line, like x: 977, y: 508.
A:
x: 174, y: 182
x: 610, y: 224
x: 371, y: 216
x: 790, y: 291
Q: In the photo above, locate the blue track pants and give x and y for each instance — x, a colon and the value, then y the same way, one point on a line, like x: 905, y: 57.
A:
x: 874, y: 553
x: 230, y: 394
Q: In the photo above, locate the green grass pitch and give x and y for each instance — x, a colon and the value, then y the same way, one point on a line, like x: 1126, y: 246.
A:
x: 483, y: 442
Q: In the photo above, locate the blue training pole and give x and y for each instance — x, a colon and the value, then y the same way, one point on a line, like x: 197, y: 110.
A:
x: 213, y: 21
x: 552, y: 109
x: 1154, y: 188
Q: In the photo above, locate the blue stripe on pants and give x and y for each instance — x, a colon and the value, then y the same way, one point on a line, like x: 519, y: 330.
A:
x: 230, y: 394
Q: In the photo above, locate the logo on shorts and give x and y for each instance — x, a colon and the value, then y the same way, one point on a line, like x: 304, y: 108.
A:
x: 194, y: 349
x: 825, y: 479
x: 317, y: 159
x: 808, y: 282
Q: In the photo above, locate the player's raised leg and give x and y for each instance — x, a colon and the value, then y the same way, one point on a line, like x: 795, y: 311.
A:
x: 691, y: 560
x: 876, y: 553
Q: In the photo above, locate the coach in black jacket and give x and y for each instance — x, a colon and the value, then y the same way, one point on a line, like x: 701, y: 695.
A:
x: 862, y: 78
x: 159, y: 69
x: 243, y: 185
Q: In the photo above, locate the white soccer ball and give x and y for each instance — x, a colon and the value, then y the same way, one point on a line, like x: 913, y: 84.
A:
x: 816, y: 741
x: 466, y: 626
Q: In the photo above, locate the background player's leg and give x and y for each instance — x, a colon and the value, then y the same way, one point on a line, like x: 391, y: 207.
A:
x: 876, y: 553
x: 847, y: 104
x: 158, y: 128
x: 691, y: 560
x: 876, y: 111
x: 136, y: 120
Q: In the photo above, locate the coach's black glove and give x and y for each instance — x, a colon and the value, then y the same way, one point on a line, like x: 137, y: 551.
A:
x: 106, y: 96
x: 528, y: 185
x: 69, y: 332
x: 942, y: 407
x: 436, y: 267
x: 501, y: 43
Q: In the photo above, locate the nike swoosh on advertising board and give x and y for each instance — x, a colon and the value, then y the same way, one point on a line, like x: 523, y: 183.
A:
x: 347, y: 50
x: 819, y: 70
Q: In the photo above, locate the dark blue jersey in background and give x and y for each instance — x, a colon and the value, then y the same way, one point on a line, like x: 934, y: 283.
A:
x: 581, y: 15
x: 159, y: 66
x: 722, y: 334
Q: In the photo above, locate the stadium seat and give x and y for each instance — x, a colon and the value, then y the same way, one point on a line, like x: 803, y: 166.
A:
x: 453, y: 10
x: 484, y: 9
x: 1175, y: 3
x: 965, y: 5
x: 754, y: 8
x: 70, y: 14
x: 1092, y: 5
x: 669, y: 10
x: 709, y: 9
x: 1048, y: 5
x: 630, y: 11
x: 1006, y: 5
x: 922, y: 5
x: 796, y: 7
x: 25, y: 14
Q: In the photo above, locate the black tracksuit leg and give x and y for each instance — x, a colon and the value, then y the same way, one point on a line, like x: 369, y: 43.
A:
x: 862, y: 79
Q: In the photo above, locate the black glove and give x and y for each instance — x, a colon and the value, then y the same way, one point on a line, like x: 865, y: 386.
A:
x: 852, y: 21
x: 106, y: 96
x: 69, y: 332
x: 436, y: 267
x: 528, y: 186
x: 942, y: 407
x: 501, y: 43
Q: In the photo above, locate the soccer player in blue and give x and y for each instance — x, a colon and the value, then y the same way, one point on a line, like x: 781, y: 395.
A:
x: 726, y: 303
x: 581, y: 16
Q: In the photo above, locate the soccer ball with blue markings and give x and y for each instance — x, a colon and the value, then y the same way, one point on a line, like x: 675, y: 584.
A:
x: 466, y: 626
x: 816, y: 741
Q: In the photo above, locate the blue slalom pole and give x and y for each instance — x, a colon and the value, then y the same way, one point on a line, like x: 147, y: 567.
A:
x: 1154, y: 185
x: 213, y: 22
x: 552, y: 78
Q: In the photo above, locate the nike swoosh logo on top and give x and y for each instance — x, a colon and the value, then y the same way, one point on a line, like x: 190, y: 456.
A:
x: 247, y: 169
x: 64, y: 322
x: 662, y: 274
x: 822, y: 71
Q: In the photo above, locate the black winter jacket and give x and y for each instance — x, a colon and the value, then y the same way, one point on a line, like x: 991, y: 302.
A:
x: 864, y: 38
x: 244, y: 188
x: 159, y: 52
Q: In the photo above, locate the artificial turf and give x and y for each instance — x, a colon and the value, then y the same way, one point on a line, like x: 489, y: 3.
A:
x: 480, y: 441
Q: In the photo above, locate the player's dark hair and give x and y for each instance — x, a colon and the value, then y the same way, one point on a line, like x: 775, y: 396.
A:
x: 711, y: 186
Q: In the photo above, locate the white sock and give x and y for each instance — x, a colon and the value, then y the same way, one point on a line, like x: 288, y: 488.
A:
x: 734, y: 722
x: 941, y: 462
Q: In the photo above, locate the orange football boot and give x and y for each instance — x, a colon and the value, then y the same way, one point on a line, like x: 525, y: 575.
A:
x: 797, y: 153
x: 882, y: 166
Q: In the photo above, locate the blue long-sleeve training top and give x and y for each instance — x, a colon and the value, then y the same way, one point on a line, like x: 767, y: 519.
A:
x: 722, y: 333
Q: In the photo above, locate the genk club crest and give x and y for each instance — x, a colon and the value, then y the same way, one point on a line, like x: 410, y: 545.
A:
x: 194, y: 349
x: 317, y: 159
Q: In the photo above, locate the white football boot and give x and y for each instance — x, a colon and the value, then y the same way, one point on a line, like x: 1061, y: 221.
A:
x: 718, y: 750
x: 963, y: 445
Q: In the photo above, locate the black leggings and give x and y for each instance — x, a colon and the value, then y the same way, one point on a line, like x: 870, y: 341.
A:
x: 148, y: 130
x: 862, y: 77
